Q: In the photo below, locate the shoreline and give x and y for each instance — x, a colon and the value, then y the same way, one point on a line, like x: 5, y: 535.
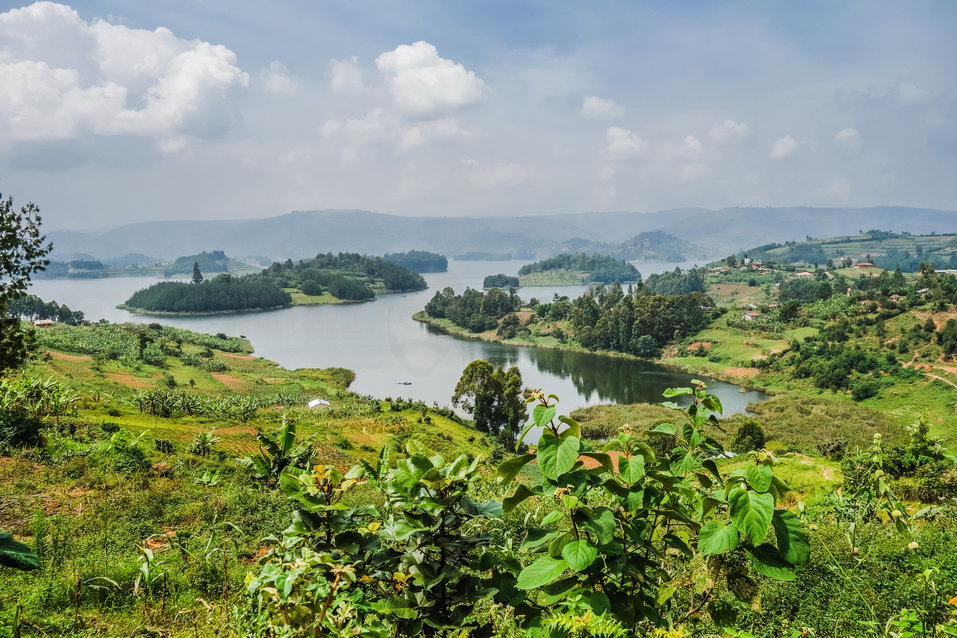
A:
x: 464, y: 333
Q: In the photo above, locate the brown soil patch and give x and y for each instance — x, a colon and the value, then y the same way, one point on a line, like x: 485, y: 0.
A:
x: 245, y: 357
x: 741, y: 373
x: 128, y: 380
x: 700, y: 344
x: 229, y: 381
x: 524, y: 316
x: 940, y: 318
x: 68, y: 357
x: 591, y: 463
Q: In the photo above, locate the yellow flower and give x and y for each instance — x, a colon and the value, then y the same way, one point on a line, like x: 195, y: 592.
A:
x: 953, y: 601
x: 912, y: 545
x: 372, y: 528
x: 400, y: 580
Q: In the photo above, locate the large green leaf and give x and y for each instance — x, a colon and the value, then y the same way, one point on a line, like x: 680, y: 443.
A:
x: 767, y: 561
x: 631, y: 469
x: 759, y: 477
x: 557, y: 456
x: 792, y: 541
x: 541, y: 572
x: 521, y: 493
x: 751, y: 513
x: 579, y: 554
x: 542, y: 416
x: 717, y: 538
x: 507, y: 470
x: 601, y: 523
x: 17, y: 555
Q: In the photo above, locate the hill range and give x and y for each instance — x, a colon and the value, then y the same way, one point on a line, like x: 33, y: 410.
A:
x: 299, y: 234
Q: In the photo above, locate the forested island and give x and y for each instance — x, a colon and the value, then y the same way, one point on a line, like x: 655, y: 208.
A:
x: 324, y: 279
x: 223, y: 293
x: 419, y: 261
x: 501, y: 281
x: 577, y: 268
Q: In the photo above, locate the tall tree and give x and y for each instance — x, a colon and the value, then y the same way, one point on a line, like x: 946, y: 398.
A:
x: 493, y: 396
x: 197, y: 275
x: 23, y: 252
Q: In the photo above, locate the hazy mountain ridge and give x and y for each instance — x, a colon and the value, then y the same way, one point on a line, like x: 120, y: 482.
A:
x: 302, y: 234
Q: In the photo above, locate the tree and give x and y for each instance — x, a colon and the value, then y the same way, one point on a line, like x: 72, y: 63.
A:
x: 493, y: 396
x: 197, y: 275
x: 22, y: 253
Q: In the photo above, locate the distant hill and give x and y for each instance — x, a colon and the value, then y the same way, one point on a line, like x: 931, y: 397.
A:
x: 883, y: 249
x: 305, y: 233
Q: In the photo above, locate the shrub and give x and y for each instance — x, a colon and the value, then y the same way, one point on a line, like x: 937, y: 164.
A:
x: 750, y: 436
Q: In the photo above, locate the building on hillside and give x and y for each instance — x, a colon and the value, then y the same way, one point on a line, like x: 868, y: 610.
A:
x: 750, y: 316
x: 805, y: 274
x: 43, y: 323
x: 863, y: 264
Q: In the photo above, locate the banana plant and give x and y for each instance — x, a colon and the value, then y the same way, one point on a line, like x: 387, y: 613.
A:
x: 278, y: 452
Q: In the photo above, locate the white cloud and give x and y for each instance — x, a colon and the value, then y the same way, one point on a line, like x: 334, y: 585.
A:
x: 598, y: 108
x: 693, y: 143
x: 729, y: 131
x: 499, y: 176
x: 622, y: 143
x: 606, y: 173
x: 848, y: 139
x: 909, y: 94
x: 65, y: 78
x: 277, y: 80
x: 434, y: 130
x: 346, y: 75
x: 784, y: 147
x: 424, y: 84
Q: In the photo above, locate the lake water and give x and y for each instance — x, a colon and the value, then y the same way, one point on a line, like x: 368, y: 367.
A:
x: 388, y: 350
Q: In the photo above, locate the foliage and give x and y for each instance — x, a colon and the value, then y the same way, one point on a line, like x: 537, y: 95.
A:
x: 32, y: 307
x: 622, y: 531
x: 418, y: 261
x: 676, y: 282
x: 493, y: 397
x: 473, y: 309
x: 749, y: 436
x: 500, y: 281
x: 409, y: 569
x: 219, y: 294
x: 24, y: 404
x: 17, y: 555
x: 22, y: 254
x: 214, y: 261
x: 598, y: 268
x: 349, y: 276
x: 607, y: 318
x: 276, y: 453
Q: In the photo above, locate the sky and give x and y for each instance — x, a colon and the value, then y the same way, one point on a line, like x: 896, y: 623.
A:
x: 114, y: 112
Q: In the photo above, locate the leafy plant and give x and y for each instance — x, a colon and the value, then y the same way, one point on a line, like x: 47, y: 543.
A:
x: 279, y: 452
x: 17, y: 555
x: 651, y: 540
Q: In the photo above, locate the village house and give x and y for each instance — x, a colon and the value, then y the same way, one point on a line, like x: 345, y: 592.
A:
x: 750, y: 316
x: 43, y: 323
x: 863, y: 264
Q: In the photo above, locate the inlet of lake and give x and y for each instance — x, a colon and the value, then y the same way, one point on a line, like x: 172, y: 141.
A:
x: 395, y: 356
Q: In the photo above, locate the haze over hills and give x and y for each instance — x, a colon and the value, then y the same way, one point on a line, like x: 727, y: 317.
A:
x: 304, y: 233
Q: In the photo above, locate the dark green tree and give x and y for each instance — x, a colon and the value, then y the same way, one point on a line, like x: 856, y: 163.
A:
x: 493, y: 396
x: 23, y: 252
x: 197, y: 275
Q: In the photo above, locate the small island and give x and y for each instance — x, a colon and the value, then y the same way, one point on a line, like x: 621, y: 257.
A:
x: 419, y: 261
x: 221, y: 294
x: 501, y: 281
x: 576, y: 269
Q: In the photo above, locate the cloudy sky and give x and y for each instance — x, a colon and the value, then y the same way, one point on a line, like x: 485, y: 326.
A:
x: 119, y: 111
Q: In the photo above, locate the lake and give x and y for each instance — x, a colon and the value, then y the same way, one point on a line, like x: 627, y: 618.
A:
x: 396, y: 356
